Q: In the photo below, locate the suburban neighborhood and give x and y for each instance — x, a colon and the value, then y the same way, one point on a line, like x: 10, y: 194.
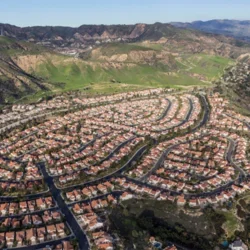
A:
x: 65, y: 164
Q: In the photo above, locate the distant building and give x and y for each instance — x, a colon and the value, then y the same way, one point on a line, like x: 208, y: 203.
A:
x: 238, y: 245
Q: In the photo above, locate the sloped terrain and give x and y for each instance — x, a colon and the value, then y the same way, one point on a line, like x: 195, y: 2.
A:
x: 85, y: 35
x: 235, y: 84
x: 147, y: 56
x: 15, y: 80
x: 137, y: 64
x: 234, y: 28
x: 112, y: 67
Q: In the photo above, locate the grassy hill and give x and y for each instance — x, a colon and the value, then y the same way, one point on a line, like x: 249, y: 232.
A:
x: 123, y: 67
x: 29, y: 71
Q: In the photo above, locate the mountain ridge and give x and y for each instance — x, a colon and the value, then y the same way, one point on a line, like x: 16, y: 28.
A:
x: 88, y: 35
x: 239, y: 29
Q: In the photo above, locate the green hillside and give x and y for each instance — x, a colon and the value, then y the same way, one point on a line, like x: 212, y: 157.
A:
x: 33, y: 71
x: 177, y: 73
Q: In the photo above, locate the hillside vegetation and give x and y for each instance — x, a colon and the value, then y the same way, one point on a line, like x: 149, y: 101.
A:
x: 169, y: 58
x: 235, y: 84
x: 14, y: 80
x: 120, y: 67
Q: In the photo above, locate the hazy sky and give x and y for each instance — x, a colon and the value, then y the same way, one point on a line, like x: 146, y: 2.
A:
x: 77, y: 12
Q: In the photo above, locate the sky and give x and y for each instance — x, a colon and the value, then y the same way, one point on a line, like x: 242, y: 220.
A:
x: 77, y: 12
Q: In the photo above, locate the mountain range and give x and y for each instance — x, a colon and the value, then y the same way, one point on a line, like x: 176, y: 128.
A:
x: 85, y: 35
x: 234, y: 28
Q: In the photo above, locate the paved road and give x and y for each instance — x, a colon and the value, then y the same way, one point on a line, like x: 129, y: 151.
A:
x: 187, y: 195
x: 136, y: 155
x: 183, y: 121
x: 229, y: 157
x: 138, y: 182
x: 230, y: 151
x: 116, y: 149
x: 80, y: 235
x: 165, y: 112
x: 78, y: 150
x: 164, y: 154
x: 158, y: 163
